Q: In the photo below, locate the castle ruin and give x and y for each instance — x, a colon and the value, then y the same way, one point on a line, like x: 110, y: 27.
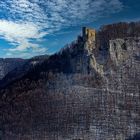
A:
x: 89, y: 37
x: 89, y: 34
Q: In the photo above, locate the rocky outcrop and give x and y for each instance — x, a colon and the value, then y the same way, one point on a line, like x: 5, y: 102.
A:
x: 122, y: 50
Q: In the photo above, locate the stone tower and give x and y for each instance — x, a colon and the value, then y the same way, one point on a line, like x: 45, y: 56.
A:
x: 89, y: 36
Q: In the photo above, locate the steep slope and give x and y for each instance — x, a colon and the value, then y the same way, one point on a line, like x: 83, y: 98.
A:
x: 7, y: 65
x: 14, y: 68
x: 87, y: 91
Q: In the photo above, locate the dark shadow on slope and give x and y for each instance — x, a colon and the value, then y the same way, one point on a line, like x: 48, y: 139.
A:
x: 136, y: 137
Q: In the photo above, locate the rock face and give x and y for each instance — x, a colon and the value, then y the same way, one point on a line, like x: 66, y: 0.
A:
x: 88, y: 91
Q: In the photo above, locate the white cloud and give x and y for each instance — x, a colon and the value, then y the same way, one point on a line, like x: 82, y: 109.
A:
x: 20, y: 34
x: 21, y: 30
x: 43, y: 16
x: 58, y: 13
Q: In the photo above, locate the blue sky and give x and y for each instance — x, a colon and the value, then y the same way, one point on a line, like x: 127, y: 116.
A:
x: 36, y: 27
